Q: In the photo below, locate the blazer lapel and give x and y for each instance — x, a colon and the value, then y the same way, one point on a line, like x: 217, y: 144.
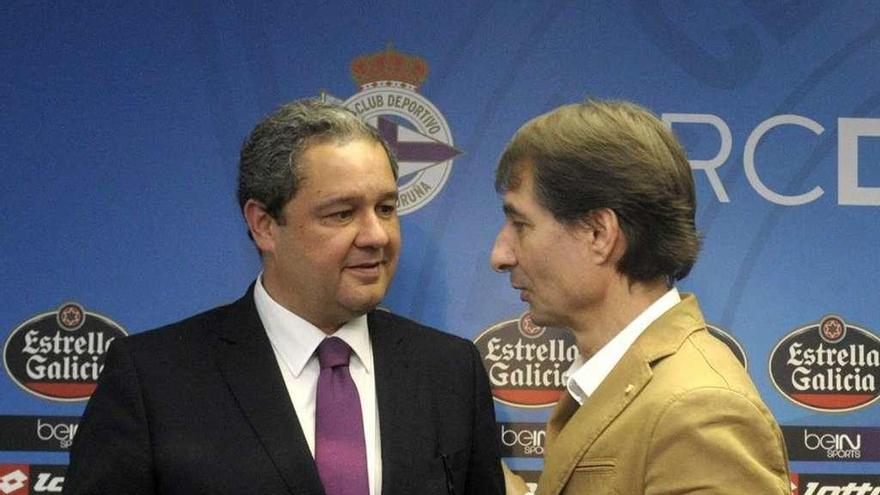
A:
x: 247, y: 363
x: 396, y: 394
x: 564, y: 410
x: 569, y: 440
x: 574, y: 437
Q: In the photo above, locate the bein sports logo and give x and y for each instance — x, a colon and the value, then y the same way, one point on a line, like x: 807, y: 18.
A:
x: 832, y: 443
x: 835, y: 445
x: 522, y: 439
x: 62, y: 433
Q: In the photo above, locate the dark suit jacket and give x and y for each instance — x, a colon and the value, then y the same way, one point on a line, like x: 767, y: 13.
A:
x: 200, y: 407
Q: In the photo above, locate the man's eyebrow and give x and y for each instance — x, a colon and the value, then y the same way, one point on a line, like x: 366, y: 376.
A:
x: 352, y: 198
x: 509, y: 210
x: 339, y: 199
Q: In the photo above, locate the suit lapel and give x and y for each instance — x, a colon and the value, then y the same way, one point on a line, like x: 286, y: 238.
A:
x: 587, y: 422
x: 247, y: 363
x: 572, y: 430
x: 396, y: 395
x: 564, y: 410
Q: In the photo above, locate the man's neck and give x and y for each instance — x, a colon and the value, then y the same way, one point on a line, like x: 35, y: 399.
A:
x: 621, y: 304
x: 325, y: 323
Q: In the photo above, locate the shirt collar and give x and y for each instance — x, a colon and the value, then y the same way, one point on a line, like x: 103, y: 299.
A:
x: 585, y: 375
x: 295, y: 339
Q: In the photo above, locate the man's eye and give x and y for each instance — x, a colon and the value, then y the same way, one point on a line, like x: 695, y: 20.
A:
x: 341, y: 215
x: 387, y: 209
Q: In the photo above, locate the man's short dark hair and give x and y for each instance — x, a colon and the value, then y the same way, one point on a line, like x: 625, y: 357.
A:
x: 269, y: 170
x: 616, y: 155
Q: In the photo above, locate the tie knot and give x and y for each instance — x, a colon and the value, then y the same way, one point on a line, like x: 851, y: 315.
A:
x: 333, y: 352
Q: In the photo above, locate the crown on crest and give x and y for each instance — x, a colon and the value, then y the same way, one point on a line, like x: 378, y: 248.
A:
x: 389, y: 68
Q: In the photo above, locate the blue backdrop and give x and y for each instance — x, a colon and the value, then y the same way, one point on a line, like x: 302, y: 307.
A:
x: 121, y: 126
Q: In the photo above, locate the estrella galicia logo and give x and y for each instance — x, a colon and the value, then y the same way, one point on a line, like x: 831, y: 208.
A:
x: 730, y: 342
x: 58, y: 355
x: 828, y: 443
x: 417, y: 132
x: 526, y: 363
x: 829, y: 366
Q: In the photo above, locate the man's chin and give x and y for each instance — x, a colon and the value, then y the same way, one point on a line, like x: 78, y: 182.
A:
x: 359, y: 304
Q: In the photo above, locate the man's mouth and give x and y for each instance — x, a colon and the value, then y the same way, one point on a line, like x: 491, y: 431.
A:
x: 367, y: 269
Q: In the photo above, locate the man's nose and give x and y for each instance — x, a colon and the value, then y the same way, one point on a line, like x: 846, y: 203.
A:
x: 374, y: 231
x: 502, y: 258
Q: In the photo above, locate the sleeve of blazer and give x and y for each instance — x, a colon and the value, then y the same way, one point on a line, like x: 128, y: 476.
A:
x: 484, y: 471
x: 111, y: 451
x: 716, y: 441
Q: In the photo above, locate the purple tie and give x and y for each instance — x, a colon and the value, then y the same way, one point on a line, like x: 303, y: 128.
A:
x: 339, y: 428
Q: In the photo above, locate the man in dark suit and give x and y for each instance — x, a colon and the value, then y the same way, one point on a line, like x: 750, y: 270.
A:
x: 301, y: 386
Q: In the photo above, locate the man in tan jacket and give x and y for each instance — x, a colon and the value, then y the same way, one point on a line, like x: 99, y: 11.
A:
x: 600, y: 204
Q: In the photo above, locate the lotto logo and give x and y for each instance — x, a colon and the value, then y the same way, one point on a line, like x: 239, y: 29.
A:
x: 851, y: 488
x: 31, y: 479
x: 835, y: 484
x: 13, y: 479
x: 48, y: 483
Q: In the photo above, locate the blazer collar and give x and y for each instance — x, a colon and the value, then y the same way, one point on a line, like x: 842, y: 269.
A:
x: 572, y: 430
x: 249, y: 367
x: 246, y: 361
x: 663, y: 337
x: 396, y: 391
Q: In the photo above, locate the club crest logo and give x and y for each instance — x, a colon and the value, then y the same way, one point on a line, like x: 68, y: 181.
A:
x: 390, y: 101
x: 58, y: 355
x: 830, y: 366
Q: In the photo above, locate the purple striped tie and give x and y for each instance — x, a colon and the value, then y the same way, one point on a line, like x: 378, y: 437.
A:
x: 339, y: 428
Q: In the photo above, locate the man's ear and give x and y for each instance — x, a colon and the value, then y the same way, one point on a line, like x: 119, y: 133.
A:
x: 607, y: 242
x: 261, y: 225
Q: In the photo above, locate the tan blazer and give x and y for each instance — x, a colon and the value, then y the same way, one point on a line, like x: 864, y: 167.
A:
x: 678, y: 414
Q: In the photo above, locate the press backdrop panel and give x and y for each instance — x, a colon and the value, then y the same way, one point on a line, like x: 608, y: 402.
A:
x: 121, y: 126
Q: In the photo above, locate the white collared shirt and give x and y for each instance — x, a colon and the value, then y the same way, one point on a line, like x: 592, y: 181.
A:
x: 294, y: 341
x: 585, y: 376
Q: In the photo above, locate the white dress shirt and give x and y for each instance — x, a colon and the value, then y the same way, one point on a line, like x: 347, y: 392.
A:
x: 294, y: 341
x: 585, y: 376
